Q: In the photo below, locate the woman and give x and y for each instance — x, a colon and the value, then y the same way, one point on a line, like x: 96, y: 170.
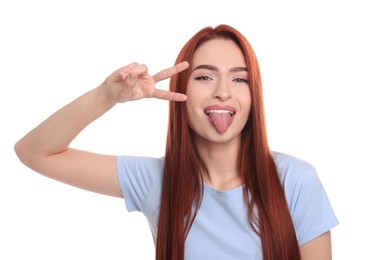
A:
x: 219, y: 192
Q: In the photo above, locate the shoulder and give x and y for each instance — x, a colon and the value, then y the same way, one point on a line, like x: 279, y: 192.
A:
x: 140, y: 163
x: 144, y: 172
x: 292, y: 169
x: 140, y: 179
x: 285, y: 161
x: 310, y: 208
x: 298, y: 177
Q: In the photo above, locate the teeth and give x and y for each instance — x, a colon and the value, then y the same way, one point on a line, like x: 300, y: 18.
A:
x: 219, y: 112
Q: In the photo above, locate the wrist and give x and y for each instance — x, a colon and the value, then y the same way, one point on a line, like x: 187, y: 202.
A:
x: 105, y: 96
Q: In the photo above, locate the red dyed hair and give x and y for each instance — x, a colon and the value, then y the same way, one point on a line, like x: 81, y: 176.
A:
x: 182, y: 191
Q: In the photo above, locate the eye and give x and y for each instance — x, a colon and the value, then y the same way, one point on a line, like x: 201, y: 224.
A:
x: 204, y: 77
x: 241, y: 80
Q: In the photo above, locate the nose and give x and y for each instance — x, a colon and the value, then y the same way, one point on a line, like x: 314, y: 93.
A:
x: 222, y: 90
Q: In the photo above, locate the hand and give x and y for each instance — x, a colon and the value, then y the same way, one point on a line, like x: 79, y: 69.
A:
x: 133, y: 82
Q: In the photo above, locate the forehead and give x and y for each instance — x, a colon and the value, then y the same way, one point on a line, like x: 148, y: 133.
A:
x: 219, y: 52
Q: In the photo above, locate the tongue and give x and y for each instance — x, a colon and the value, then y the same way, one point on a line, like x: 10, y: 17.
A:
x: 221, y: 121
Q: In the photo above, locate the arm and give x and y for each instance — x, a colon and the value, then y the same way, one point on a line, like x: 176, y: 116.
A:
x: 45, y: 149
x: 318, y: 248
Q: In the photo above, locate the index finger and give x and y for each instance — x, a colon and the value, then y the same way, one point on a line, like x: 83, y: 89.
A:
x: 167, y: 73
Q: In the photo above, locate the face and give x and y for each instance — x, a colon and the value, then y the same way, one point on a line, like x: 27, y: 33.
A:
x: 218, y: 96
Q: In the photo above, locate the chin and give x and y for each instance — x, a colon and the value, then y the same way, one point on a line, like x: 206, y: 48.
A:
x: 213, y: 136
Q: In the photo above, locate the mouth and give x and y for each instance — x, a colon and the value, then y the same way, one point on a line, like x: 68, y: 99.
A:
x: 219, y: 111
x: 220, y: 117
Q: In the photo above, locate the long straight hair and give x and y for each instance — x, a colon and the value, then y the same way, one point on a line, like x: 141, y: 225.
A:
x: 182, y: 190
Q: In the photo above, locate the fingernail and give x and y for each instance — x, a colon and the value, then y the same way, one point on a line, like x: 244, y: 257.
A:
x: 124, y: 74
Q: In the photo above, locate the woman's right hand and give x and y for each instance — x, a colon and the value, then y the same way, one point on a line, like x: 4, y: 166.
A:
x: 133, y: 82
x: 45, y: 149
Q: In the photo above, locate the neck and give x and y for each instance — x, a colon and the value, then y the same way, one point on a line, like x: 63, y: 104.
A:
x: 220, y: 163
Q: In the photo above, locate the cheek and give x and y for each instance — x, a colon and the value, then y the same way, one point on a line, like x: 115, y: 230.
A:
x: 244, y: 97
x: 194, y: 96
x: 194, y: 106
x: 191, y: 89
x: 247, y: 103
x: 191, y: 106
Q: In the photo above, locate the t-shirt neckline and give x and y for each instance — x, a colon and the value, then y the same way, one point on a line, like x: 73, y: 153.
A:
x: 219, y: 193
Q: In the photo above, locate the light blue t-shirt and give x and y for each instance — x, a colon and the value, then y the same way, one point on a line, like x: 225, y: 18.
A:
x: 221, y: 229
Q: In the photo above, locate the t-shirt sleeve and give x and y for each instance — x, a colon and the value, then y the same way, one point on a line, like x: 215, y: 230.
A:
x: 140, y: 180
x: 311, y: 211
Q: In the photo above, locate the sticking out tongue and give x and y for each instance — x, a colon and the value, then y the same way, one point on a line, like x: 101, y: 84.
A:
x: 221, y: 121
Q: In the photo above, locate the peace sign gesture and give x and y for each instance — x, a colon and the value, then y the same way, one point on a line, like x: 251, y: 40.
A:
x: 133, y: 82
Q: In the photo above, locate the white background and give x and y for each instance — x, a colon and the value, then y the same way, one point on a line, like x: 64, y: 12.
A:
x: 312, y: 57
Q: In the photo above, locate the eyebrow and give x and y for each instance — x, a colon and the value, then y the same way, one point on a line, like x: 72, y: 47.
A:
x: 214, y: 68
